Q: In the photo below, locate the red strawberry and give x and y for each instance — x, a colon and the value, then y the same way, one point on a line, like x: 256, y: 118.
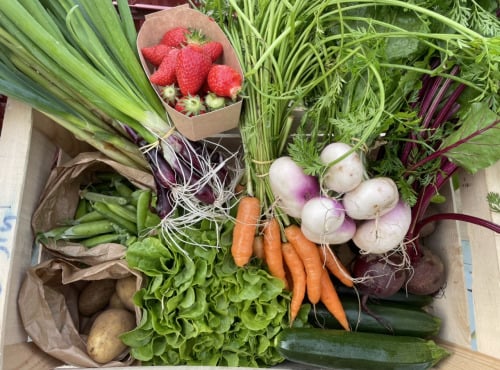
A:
x: 190, y: 105
x: 192, y: 69
x: 175, y: 37
x: 155, y: 54
x: 224, y: 80
x: 165, y: 74
x: 212, y: 48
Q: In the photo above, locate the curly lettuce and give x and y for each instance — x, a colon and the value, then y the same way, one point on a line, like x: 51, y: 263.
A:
x: 199, y: 308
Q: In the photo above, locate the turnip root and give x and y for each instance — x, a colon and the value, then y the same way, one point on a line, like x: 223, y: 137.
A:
x: 378, y: 276
x: 384, y: 233
x: 428, y: 274
x: 371, y: 199
x: 345, y: 175
x: 342, y: 234
x: 322, y: 215
x: 291, y: 187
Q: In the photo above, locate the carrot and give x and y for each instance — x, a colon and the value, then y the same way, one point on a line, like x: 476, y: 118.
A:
x: 310, y: 256
x: 258, y: 246
x: 296, y: 268
x: 336, y: 267
x: 331, y: 300
x: 247, y: 218
x: 272, y: 250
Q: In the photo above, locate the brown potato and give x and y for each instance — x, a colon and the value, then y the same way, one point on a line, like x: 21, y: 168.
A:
x: 103, y: 343
x: 116, y: 302
x: 95, y: 296
x: 126, y: 288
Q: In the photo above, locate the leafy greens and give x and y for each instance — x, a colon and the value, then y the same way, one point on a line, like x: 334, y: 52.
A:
x: 199, y: 308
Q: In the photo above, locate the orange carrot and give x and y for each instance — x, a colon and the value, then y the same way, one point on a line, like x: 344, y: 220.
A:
x: 331, y: 300
x: 296, y: 268
x: 258, y: 246
x: 336, y: 267
x: 310, y: 256
x: 272, y: 250
x: 247, y: 218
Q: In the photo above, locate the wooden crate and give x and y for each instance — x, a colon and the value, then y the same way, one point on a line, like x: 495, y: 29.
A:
x: 30, y: 144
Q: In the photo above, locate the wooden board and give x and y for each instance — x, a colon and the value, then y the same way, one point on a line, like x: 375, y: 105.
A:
x: 451, y: 305
x: 485, y: 249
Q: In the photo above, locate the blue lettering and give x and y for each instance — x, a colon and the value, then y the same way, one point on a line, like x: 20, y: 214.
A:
x: 8, y: 222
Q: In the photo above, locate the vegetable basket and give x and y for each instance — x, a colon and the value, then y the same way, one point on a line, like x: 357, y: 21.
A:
x: 30, y: 143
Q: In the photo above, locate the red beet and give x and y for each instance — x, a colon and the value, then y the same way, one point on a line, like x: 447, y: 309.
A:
x: 381, y: 276
x: 428, y: 275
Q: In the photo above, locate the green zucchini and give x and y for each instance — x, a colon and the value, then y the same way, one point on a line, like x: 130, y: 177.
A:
x: 340, y: 349
x: 394, y: 319
x: 401, y: 297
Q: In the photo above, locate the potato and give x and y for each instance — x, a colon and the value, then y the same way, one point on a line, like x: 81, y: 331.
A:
x: 116, y: 302
x: 126, y: 288
x: 95, y: 296
x: 103, y: 343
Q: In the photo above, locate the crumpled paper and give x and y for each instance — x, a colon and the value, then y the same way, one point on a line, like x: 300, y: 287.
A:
x: 48, y: 305
x: 59, y: 200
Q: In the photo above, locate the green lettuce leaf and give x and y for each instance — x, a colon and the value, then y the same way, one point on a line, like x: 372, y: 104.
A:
x: 199, y: 308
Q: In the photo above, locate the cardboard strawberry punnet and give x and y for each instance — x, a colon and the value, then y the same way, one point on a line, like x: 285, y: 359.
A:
x: 150, y: 34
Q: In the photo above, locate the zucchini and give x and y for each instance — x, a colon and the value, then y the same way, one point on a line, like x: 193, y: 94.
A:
x: 401, y: 297
x: 340, y: 349
x: 394, y: 319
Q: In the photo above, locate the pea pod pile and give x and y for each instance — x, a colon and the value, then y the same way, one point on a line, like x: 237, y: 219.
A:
x: 111, y: 210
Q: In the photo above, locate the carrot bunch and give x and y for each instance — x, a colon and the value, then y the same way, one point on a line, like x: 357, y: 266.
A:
x: 298, y: 262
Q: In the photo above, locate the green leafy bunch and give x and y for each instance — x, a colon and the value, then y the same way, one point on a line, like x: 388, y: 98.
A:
x: 199, y: 308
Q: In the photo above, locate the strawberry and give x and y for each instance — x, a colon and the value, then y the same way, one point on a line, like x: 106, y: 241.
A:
x: 155, y: 54
x: 165, y: 74
x: 169, y: 94
x: 198, y: 40
x: 175, y: 37
x: 224, y: 80
x: 190, y: 105
x: 192, y: 69
x: 212, y: 48
x: 214, y: 102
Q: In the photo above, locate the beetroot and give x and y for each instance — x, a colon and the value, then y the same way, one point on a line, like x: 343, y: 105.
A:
x: 428, y: 275
x: 377, y: 275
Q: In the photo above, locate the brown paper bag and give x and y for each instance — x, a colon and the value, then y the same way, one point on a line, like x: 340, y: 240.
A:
x: 151, y: 32
x: 48, y: 305
x: 60, y: 197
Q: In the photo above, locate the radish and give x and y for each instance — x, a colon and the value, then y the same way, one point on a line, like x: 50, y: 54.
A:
x: 291, y: 187
x: 385, y: 232
x: 371, y: 199
x: 341, y: 235
x: 321, y: 216
x: 345, y: 175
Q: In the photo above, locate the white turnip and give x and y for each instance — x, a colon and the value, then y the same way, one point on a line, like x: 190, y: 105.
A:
x: 322, y: 215
x: 345, y: 175
x: 385, y: 232
x: 371, y: 199
x: 342, y: 234
x: 291, y: 187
